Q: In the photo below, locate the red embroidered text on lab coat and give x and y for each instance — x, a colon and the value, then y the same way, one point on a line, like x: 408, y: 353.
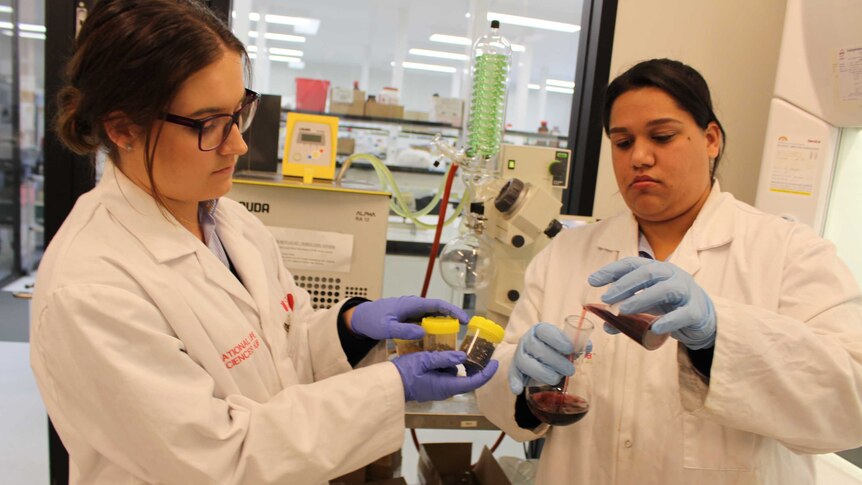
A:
x: 241, y: 351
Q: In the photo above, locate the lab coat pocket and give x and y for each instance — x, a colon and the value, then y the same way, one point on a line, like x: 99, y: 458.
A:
x: 710, y: 446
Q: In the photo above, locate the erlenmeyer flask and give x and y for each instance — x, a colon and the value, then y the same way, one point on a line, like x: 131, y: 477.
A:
x: 567, y: 401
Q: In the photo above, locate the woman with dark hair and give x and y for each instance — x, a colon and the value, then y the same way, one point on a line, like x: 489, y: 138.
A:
x: 169, y: 343
x: 765, y: 368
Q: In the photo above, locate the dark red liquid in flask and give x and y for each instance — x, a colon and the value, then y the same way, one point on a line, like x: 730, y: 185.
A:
x: 636, y: 326
x: 554, y: 407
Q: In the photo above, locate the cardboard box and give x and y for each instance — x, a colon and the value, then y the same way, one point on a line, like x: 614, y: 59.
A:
x: 449, y: 111
x: 356, y: 477
x: 441, y: 463
x: 379, y: 472
x: 384, y: 468
x: 416, y: 115
x: 373, y: 109
x: 346, y: 146
x: 349, y: 102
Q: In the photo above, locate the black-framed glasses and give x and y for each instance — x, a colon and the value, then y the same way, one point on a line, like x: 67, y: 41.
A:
x: 214, y: 130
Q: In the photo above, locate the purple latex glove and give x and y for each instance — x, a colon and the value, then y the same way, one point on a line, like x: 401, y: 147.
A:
x: 425, y: 375
x: 387, y: 317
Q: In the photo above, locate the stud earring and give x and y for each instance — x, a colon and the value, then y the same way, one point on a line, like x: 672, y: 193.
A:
x: 128, y: 148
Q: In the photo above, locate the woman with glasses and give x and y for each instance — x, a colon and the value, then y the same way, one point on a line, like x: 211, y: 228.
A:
x: 169, y: 343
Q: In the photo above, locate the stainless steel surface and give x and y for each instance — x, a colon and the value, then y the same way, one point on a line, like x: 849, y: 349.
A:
x: 458, y: 412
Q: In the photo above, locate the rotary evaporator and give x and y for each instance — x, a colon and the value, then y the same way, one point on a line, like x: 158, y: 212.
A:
x: 515, y: 191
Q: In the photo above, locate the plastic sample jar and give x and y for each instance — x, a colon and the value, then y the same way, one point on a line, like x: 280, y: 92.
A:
x: 482, y: 338
x: 440, y: 332
x: 404, y: 347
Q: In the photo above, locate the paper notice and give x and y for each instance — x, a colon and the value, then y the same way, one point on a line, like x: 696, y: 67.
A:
x: 794, y: 169
x: 850, y: 73
x: 314, y: 250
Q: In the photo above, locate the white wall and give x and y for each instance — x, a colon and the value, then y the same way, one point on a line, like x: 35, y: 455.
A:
x: 734, y: 44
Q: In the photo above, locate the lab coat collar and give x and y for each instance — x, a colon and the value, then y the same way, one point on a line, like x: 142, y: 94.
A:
x: 164, y: 237
x: 157, y: 229
x: 712, y: 228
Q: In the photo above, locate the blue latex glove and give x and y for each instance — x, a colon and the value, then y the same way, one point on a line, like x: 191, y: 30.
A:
x: 427, y: 375
x: 385, y: 318
x: 687, y: 311
x: 542, y: 355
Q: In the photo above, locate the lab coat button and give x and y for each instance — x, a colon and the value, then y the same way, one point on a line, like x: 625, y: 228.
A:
x: 628, y: 443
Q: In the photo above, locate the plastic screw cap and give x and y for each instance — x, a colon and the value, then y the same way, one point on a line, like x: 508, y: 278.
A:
x: 509, y: 195
x: 553, y: 228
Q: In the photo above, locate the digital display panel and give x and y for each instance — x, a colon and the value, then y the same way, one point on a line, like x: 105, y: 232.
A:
x: 310, y: 138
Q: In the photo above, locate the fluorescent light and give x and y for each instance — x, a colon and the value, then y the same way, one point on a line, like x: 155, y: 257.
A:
x: 285, y: 37
x: 450, y: 39
x: 252, y: 55
x: 533, y: 86
x: 284, y: 59
x: 251, y: 48
x: 32, y: 28
x: 555, y: 89
x: 440, y: 54
x: 456, y: 40
x: 285, y: 52
x: 533, y: 22
x: 25, y: 27
x: 32, y: 35
x: 273, y: 36
x: 5, y: 9
x: 427, y: 67
x: 301, y: 25
x: 560, y: 84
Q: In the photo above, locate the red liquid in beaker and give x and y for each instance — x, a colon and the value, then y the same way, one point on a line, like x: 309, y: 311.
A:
x: 554, y: 407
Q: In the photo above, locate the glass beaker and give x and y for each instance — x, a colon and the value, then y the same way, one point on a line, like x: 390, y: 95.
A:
x: 567, y: 401
x: 637, y: 326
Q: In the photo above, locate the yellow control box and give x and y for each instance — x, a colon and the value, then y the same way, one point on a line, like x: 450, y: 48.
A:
x: 310, y: 146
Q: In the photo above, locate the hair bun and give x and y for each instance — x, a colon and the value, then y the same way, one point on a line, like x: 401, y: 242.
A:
x: 74, y: 131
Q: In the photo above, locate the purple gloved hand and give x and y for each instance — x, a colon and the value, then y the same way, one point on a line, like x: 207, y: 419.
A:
x: 427, y: 375
x: 387, y: 317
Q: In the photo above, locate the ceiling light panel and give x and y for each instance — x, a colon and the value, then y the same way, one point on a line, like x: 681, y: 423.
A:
x: 439, y: 54
x: 535, y: 23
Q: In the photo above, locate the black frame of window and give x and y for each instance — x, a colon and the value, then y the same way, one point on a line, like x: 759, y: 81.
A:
x: 598, y: 20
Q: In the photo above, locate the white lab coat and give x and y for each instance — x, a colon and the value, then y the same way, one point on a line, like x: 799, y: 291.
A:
x: 786, y: 379
x: 157, y: 366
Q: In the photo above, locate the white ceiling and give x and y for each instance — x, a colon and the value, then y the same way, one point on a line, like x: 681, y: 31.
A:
x: 353, y: 31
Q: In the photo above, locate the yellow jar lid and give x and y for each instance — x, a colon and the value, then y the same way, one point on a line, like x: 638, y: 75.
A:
x: 440, y: 325
x: 490, y: 330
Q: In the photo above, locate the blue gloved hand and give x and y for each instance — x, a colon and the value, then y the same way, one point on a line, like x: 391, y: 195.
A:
x: 542, y: 354
x: 687, y: 311
x: 385, y: 318
x: 427, y: 375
